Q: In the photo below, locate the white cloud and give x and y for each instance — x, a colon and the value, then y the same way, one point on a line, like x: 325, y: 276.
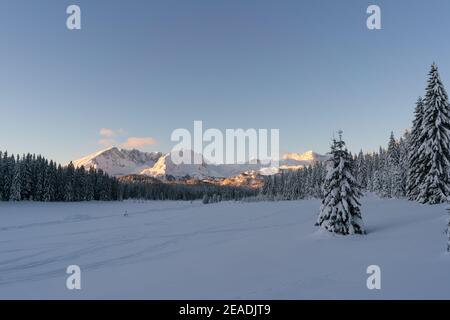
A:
x: 136, y: 142
x: 109, y: 133
x: 109, y: 138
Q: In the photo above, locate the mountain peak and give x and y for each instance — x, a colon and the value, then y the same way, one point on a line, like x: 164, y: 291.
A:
x: 118, y: 162
x: 307, y: 156
x: 165, y: 166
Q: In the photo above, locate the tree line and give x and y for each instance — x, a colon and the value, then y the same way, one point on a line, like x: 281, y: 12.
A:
x: 36, y: 178
x: 295, y: 184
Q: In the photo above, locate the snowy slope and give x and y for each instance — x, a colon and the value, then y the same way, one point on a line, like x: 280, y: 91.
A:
x: 182, y: 250
x: 119, y: 162
x: 166, y: 167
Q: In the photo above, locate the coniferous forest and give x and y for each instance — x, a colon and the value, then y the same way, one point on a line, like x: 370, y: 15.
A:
x: 35, y: 178
x: 415, y: 166
x: 32, y: 177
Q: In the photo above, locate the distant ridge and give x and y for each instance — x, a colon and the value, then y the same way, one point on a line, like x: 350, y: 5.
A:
x: 122, y: 162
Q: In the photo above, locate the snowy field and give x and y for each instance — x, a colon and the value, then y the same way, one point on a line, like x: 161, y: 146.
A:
x: 229, y: 250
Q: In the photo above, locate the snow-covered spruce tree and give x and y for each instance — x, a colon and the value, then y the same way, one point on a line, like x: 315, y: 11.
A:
x: 416, y: 140
x: 384, y: 175
x: 394, y: 176
x: 16, y: 188
x: 434, y: 152
x: 8, y: 165
x: 403, y: 163
x: 361, y: 170
x: 340, y: 212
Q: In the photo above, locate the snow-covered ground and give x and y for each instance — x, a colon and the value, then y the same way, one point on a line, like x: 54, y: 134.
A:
x: 182, y: 250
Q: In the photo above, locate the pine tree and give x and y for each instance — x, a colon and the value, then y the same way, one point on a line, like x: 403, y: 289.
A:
x: 403, y: 163
x: 384, y: 183
x: 16, y: 185
x: 340, y: 212
x: 393, y: 152
x: 49, y: 183
x: 69, y: 183
x: 434, y: 152
x: 416, y: 140
x: 26, y: 177
x: 90, y: 182
x: 9, y: 173
x: 361, y: 170
x: 60, y: 184
x: 393, y: 170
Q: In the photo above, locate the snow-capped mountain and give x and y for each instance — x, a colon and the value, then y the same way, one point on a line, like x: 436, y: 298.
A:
x: 166, y: 167
x: 307, y: 157
x: 119, y: 162
x: 294, y: 161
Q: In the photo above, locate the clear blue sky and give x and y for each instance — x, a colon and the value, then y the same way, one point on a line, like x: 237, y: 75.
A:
x: 148, y: 67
